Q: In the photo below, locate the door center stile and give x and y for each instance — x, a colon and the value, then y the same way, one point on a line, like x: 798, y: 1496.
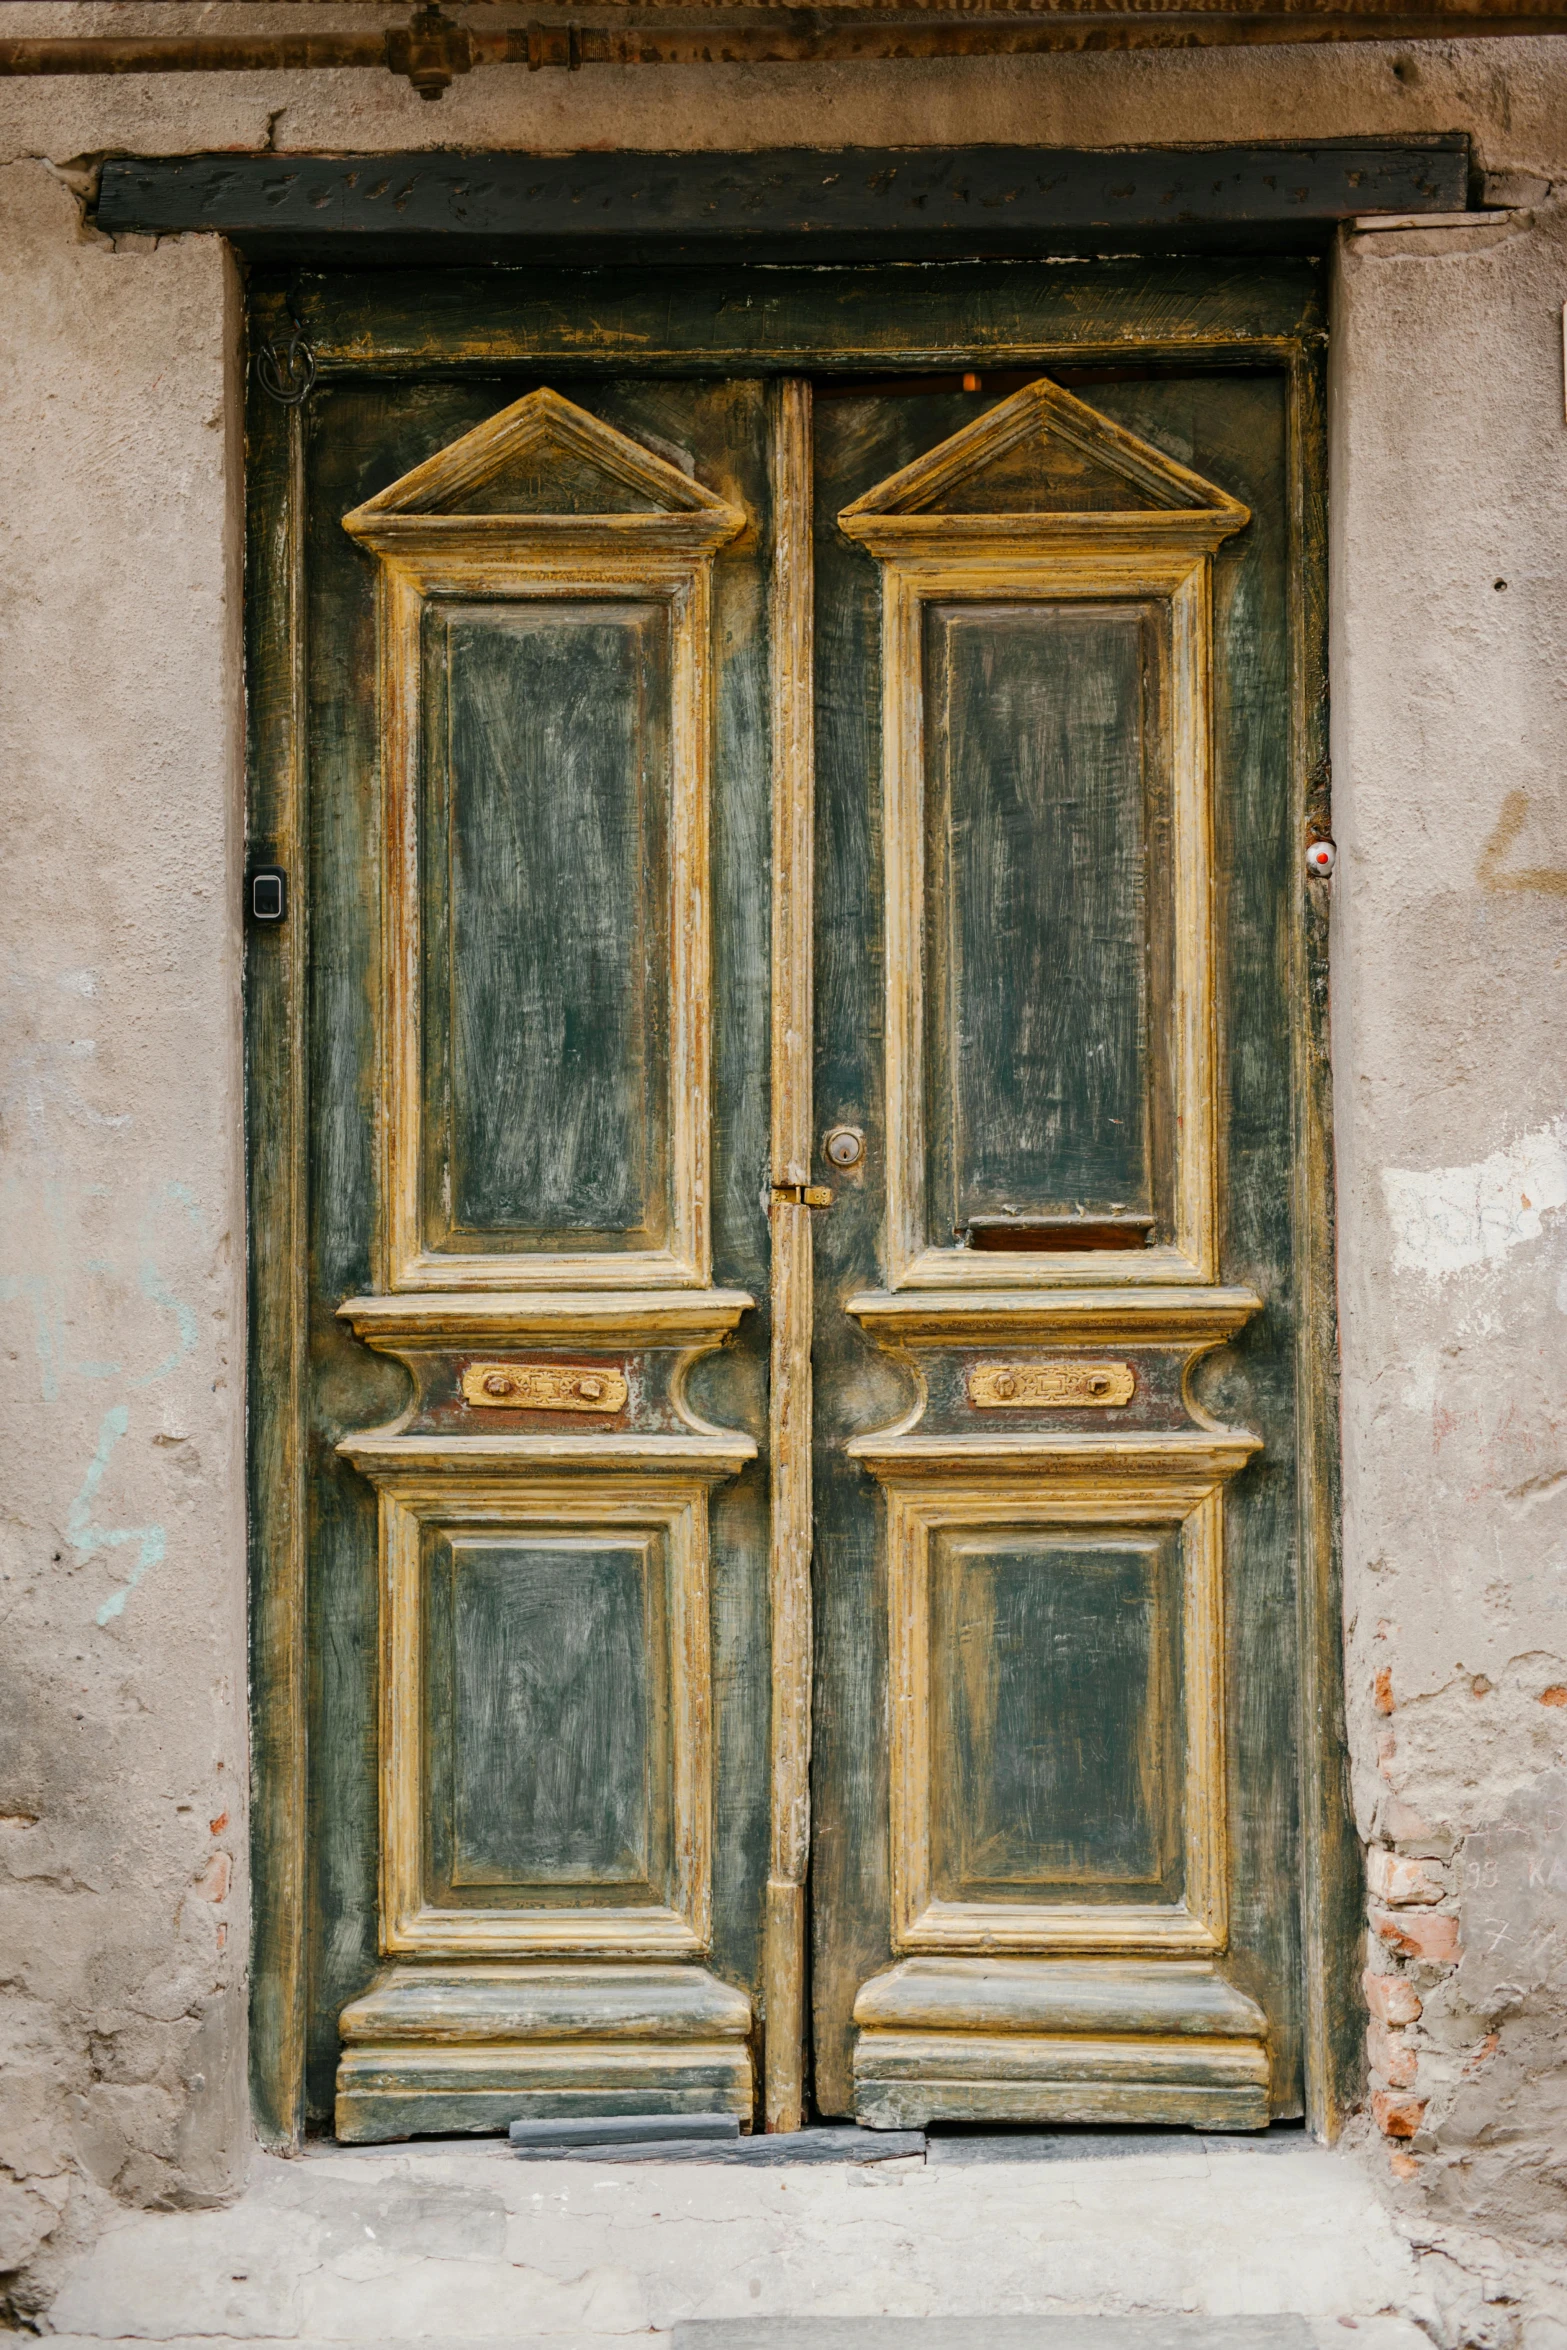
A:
x: 792, y: 639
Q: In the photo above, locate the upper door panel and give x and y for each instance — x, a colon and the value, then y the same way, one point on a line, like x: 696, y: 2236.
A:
x: 546, y: 619
x: 1045, y: 685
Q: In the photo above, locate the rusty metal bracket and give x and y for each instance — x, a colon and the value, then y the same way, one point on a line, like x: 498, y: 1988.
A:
x: 431, y: 49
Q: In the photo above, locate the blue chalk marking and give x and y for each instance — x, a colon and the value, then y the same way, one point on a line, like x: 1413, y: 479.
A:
x: 85, y: 1537
x: 154, y: 1286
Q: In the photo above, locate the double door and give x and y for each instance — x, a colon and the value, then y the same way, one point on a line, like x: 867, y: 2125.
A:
x: 796, y: 894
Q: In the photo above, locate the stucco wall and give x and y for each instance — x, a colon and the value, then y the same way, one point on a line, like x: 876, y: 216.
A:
x: 122, y: 1913
x: 122, y: 1783
x: 1450, y: 684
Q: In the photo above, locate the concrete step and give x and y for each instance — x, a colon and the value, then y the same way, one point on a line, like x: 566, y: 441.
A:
x: 402, y: 2244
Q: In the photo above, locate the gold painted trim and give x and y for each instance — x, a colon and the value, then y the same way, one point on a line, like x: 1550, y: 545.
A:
x: 789, y: 1394
x: 1008, y: 565
x: 1163, y: 553
x: 416, y: 1493
x: 1186, y: 1460
x: 1121, y: 1315
x: 1184, y: 500
x: 532, y: 426
x: 545, y: 1387
x: 1050, y: 1387
x: 394, y: 1325
x: 1115, y: 2063
x: 1032, y: 1495
x: 382, y: 1453
x: 409, y: 1264
x: 664, y: 557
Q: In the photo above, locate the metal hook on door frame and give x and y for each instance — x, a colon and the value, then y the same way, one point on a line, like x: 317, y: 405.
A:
x: 287, y: 376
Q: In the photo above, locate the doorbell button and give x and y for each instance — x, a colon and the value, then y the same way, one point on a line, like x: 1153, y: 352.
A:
x: 268, y: 893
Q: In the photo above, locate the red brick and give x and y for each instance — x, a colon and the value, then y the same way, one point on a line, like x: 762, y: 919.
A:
x: 1392, y: 1999
x: 1555, y: 1695
x: 1393, y: 2058
x: 1403, y: 2166
x: 1382, y: 1690
x: 213, y: 1882
x: 1395, y: 2116
x: 1395, y: 1879
x: 1431, y: 1935
x: 1480, y: 2057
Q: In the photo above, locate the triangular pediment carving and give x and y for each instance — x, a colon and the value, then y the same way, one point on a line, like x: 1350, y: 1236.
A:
x: 546, y: 464
x: 1044, y: 455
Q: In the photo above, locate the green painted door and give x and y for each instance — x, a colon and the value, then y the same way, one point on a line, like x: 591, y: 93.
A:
x: 794, y: 795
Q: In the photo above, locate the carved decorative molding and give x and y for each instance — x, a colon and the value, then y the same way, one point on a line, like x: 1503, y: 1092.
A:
x: 1112, y: 520
x: 643, y: 544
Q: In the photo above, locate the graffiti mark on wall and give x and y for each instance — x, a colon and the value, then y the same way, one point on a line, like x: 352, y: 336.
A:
x: 94, y: 1272
x: 1446, y: 1219
x: 153, y: 1285
x: 1496, y: 874
x: 86, y: 1537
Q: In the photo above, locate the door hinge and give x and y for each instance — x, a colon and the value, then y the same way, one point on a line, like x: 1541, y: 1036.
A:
x: 802, y: 1195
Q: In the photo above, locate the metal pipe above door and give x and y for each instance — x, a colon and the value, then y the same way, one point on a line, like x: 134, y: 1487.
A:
x: 432, y: 49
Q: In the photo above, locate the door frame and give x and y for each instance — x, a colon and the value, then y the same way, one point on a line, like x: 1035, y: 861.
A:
x: 1212, y: 312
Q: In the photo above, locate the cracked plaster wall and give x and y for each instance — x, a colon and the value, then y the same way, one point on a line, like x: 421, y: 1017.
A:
x: 122, y: 1660
x: 1450, y: 687
x: 122, y: 1861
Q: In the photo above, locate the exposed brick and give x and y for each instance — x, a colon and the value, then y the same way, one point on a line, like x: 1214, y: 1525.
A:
x: 1397, y: 2116
x: 1480, y: 2057
x: 1395, y: 1879
x: 1382, y: 1690
x: 1392, y: 2057
x: 1431, y: 1935
x: 1404, y: 2166
x: 1555, y: 1695
x: 213, y: 1882
x: 1392, y: 1999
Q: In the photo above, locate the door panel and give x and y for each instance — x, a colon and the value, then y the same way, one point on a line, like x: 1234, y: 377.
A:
x: 547, y: 1016
x: 1055, y: 1760
x: 1037, y: 783
x: 1049, y: 1657
x: 592, y: 627
x: 536, y: 968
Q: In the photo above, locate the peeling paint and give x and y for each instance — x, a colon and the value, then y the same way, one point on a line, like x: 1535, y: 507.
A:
x: 1448, y: 1219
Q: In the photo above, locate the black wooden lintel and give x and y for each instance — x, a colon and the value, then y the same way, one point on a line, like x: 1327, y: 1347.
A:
x: 797, y: 203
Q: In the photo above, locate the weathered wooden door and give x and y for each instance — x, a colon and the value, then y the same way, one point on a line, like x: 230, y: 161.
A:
x: 797, y: 885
